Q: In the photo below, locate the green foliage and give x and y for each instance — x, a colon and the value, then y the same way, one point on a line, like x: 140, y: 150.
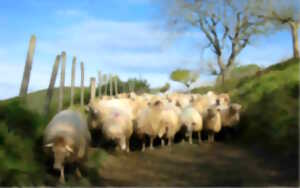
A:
x: 23, y: 162
x: 162, y: 89
x: 184, y: 76
x: 270, y: 107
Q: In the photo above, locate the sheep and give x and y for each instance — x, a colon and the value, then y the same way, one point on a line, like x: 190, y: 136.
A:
x: 230, y: 116
x: 114, y: 118
x: 192, y: 120
x: 118, y: 126
x: 169, y: 122
x: 222, y: 101
x: 98, y: 109
x: 212, y: 123
x: 148, y: 121
x: 68, y: 137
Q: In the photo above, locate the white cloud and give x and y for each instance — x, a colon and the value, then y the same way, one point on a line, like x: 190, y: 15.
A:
x: 70, y: 12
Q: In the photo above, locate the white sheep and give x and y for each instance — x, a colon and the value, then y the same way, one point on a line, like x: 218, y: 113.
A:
x: 231, y: 115
x: 212, y: 123
x: 148, y: 122
x: 192, y: 120
x: 68, y: 137
x: 117, y: 126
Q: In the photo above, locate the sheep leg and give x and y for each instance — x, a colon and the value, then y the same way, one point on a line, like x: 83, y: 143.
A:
x: 62, y: 176
x: 143, y: 146
x: 127, y: 145
x: 191, y: 137
x: 162, y: 142
x: 78, y: 173
x: 209, y: 138
x: 151, y: 142
x: 199, y: 137
x: 212, y: 138
x: 169, y: 141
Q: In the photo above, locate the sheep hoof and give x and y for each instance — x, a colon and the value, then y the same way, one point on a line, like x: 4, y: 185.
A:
x: 62, y: 180
x: 78, y: 173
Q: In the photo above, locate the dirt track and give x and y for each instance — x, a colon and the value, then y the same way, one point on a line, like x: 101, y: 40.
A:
x: 195, y: 165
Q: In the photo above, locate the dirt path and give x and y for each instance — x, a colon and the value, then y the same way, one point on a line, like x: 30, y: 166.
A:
x: 194, y: 165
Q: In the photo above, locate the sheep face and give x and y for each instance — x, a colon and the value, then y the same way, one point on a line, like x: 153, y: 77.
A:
x: 61, y: 152
x: 93, y: 117
x: 212, y: 112
x: 223, y: 100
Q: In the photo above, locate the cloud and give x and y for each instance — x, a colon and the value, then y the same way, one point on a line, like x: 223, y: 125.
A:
x: 71, y: 13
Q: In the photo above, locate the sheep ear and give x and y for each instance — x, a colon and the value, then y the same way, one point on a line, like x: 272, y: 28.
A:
x: 49, y: 145
x: 87, y: 109
x: 69, y: 149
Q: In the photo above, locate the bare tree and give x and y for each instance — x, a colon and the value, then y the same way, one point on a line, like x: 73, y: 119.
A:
x: 281, y: 13
x: 28, y: 66
x: 227, y: 25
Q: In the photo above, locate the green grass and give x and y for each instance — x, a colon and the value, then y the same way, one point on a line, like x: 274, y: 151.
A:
x: 270, y: 107
x: 23, y: 162
x: 269, y: 119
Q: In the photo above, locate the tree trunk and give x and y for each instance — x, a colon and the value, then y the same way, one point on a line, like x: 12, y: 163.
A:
x: 73, y: 80
x: 294, y: 31
x: 82, y: 85
x: 93, y: 89
x: 28, y: 66
x: 99, y: 84
x: 62, y: 81
x: 222, y: 68
x: 51, y: 84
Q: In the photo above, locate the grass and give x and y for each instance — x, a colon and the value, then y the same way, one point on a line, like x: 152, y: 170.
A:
x: 269, y: 120
x: 270, y: 100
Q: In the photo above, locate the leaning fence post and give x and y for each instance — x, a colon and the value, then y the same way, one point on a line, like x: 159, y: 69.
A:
x: 73, y: 80
x: 99, y: 84
x: 110, y: 85
x: 93, y: 88
x: 106, y: 84
x: 51, y: 84
x: 62, y: 82
x: 116, y: 85
x: 28, y: 66
x: 82, y: 85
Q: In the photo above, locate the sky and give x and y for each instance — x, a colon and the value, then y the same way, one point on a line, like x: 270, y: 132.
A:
x: 123, y: 37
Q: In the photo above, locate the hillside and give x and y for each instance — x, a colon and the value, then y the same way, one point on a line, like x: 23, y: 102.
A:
x: 262, y: 150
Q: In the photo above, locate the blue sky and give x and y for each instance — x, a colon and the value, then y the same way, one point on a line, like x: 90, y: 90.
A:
x: 123, y: 37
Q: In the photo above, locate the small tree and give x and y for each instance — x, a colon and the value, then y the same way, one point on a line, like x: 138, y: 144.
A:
x: 281, y: 13
x: 184, y: 76
x: 228, y: 26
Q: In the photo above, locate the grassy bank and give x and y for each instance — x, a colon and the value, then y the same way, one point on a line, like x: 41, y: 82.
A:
x: 270, y: 100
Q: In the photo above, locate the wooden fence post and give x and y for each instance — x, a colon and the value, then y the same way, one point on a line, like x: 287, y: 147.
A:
x: 73, y: 81
x: 93, y: 88
x: 51, y: 84
x: 99, y: 84
x: 82, y: 85
x: 116, y: 85
x: 62, y: 81
x: 28, y: 66
x: 104, y: 78
x: 110, y: 85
